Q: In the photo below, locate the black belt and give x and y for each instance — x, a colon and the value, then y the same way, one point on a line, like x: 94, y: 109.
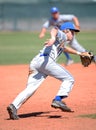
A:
x: 44, y: 54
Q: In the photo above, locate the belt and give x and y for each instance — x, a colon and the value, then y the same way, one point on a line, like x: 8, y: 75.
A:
x: 44, y: 54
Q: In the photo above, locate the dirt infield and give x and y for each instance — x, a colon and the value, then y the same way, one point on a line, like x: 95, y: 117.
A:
x: 36, y: 114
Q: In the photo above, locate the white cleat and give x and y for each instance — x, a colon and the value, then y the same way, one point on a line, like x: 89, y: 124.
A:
x: 69, y: 62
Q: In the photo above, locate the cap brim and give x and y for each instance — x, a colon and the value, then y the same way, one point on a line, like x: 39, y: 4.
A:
x: 75, y: 30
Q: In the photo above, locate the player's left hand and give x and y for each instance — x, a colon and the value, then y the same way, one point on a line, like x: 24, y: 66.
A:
x: 86, y: 58
x: 87, y: 54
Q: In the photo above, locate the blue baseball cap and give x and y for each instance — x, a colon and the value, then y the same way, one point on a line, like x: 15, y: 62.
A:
x: 54, y: 10
x: 70, y: 26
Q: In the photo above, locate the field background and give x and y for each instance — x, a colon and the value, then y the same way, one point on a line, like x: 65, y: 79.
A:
x: 20, y: 24
x: 21, y: 47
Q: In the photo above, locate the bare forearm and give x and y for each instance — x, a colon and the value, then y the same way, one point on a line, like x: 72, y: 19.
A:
x: 53, y: 33
x: 43, y: 30
x: 76, y: 22
x: 72, y: 51
x: 42, y: 33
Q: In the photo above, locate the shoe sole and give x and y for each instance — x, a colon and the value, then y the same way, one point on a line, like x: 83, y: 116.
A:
x: 12, y: 116
x: 58, y: 107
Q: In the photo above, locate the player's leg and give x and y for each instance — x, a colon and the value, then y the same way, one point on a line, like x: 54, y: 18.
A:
x: 75, y: 45
x: 65, y: 88
x: 35, y: 78
x: 59, y: 72
x: 69, y: 59
x: 34, y: 81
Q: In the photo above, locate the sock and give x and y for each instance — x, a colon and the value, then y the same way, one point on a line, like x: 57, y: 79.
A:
x: 59, y: 98
x: 67, y: 56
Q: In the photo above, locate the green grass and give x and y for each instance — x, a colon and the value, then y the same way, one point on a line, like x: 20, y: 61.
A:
x: 92, y: 116
x: 21, y: 47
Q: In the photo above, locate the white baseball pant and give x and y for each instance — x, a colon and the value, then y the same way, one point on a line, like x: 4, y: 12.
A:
x: 42, y: 67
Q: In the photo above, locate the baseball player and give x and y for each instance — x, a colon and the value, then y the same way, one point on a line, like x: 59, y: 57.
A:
x: 56, y: 20
x: 44, y: 64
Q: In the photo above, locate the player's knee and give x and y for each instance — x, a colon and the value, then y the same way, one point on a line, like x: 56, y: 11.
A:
x: 31, y: 69
x: 30, y: 72
x: 71, y: 79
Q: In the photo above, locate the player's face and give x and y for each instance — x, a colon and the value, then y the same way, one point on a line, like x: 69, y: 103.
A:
x: 72, y: 32
x: 69, y: 34
x: 55, y: 15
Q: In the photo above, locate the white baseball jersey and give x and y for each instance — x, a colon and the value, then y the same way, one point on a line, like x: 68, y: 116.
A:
x: 59, y: 21
x: 57, y: 48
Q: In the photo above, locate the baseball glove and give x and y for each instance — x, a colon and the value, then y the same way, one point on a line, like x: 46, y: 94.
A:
x: 86, y: 60
x: 94, y: 59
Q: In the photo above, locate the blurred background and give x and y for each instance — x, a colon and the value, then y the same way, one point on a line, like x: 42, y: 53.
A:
x: 29, y: 15
x: 21, y: 21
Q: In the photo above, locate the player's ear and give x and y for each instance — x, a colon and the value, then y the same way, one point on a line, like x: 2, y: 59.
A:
x: 73, y: 32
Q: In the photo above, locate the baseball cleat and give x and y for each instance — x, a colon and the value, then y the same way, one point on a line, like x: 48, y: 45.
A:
x: 12, y: 112
x: 61, y: 105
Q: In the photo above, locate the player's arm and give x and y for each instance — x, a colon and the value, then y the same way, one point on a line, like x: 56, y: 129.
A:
x: 70, y: 17
x: 53, y: 34
x: 42, y: 33
x: 44, y: 29
x: 72, y: 51
x: 76, y: 22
